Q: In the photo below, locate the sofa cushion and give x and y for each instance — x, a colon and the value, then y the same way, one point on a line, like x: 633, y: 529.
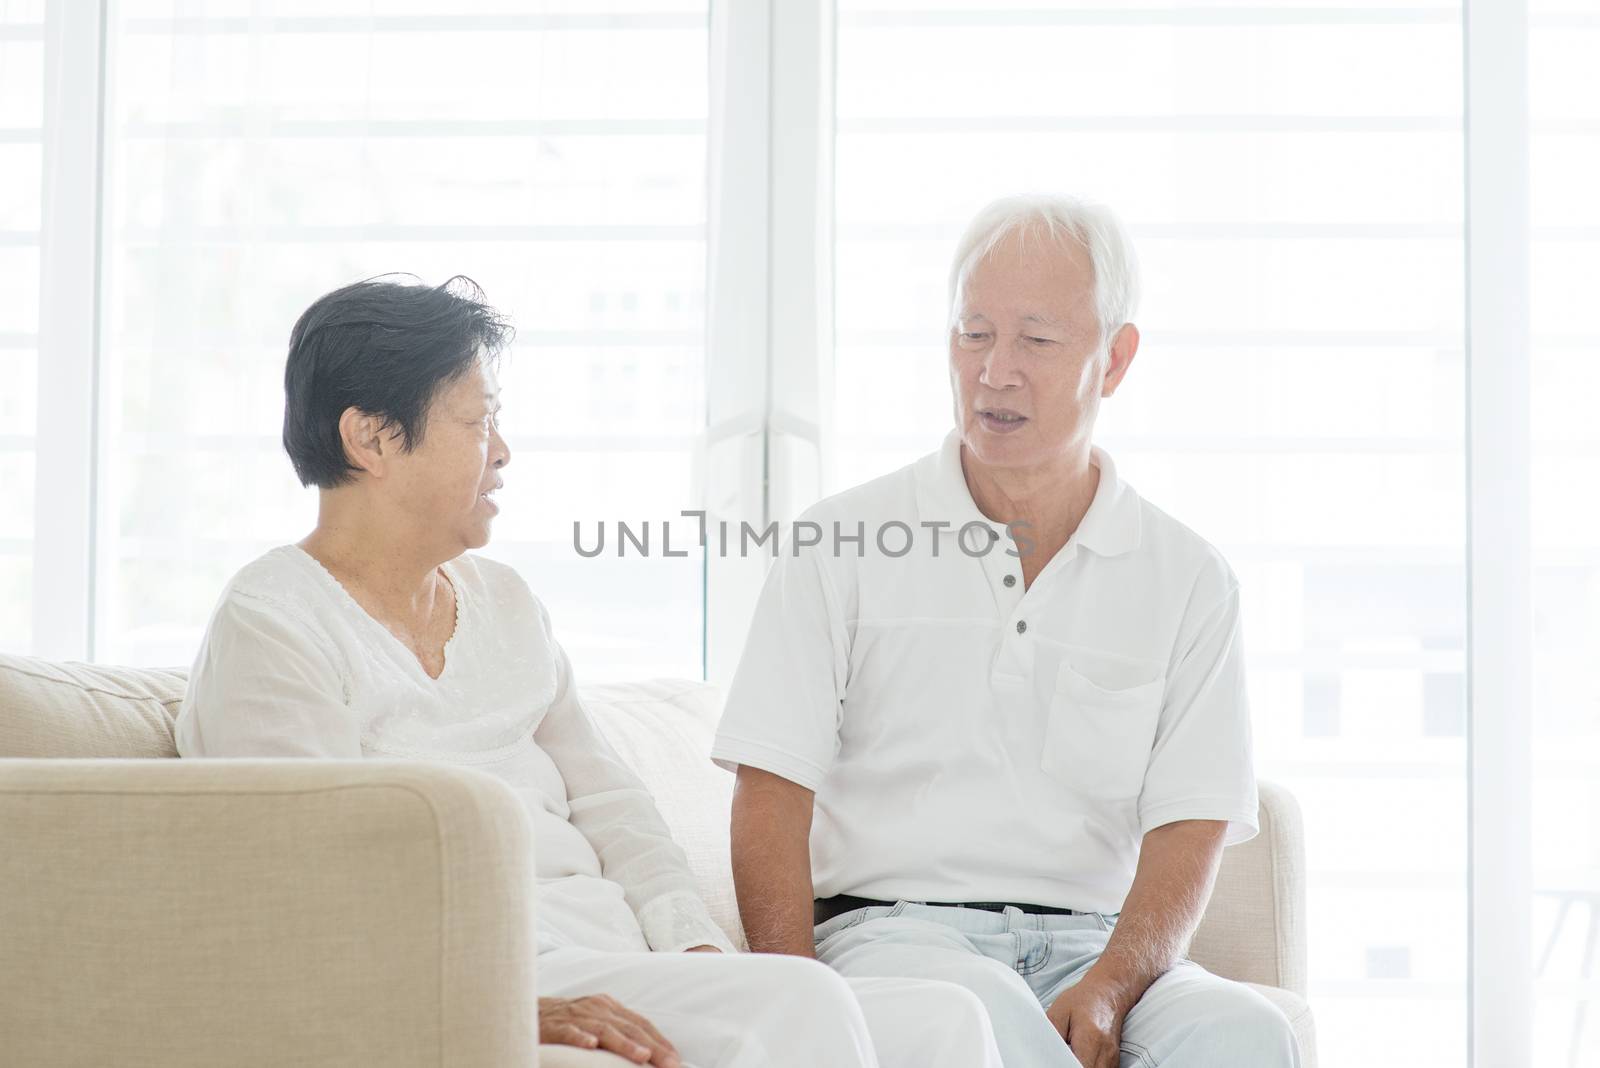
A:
x: 54, y: 709
x: 661, y: 728
x: 1298, y: 1011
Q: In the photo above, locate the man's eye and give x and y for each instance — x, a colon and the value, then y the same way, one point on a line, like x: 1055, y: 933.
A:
x: 973, y: 336
x: 1041, y: 340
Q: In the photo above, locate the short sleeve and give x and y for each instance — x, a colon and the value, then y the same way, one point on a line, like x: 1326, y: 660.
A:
x: 1200, y: 765
x: 265, y: 684
x: 783, y: 708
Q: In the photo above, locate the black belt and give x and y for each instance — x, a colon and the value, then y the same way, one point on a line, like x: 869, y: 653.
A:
x: 826, y: 908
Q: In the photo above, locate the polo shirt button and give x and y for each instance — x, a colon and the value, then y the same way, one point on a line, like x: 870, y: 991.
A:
x: 1010, y: 580
x: 1022, y: 625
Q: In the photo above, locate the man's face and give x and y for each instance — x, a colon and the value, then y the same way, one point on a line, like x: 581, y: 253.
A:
x: 1027, y: 368
x: 448, y: 477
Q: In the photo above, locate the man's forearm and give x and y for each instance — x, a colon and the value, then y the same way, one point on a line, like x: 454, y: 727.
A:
x: 771, y: 832
x: 1177, y: 865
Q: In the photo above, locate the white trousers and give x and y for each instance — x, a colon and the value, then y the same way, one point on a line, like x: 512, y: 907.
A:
x: 766, y: 1011
x: 1018, y: 963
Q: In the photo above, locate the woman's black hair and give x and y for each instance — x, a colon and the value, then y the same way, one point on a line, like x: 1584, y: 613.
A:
x: 386, y: 348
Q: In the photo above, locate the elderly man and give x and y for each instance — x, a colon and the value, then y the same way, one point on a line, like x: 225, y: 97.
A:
x: 1001, y: 739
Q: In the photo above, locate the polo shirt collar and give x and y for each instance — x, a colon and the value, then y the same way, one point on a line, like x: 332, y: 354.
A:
x: 1110, y: 527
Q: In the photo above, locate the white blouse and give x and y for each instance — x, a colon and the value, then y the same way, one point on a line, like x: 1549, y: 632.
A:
x: 292, y: 666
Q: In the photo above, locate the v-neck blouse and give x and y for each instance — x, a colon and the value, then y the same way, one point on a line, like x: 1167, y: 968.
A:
x: 292, y: 666
x: 339, y: 593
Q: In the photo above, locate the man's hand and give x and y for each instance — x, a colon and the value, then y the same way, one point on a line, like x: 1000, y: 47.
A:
x: 1177, y: 863
x: 600, y: 1022
x: 702, y: 949
x: 1089, y: 1016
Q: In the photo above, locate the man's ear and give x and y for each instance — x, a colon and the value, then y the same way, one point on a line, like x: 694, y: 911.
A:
x: 364, y: 444
x: 1124, y: 346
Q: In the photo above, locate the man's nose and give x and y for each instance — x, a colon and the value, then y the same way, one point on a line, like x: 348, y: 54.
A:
x: 1000, y: 364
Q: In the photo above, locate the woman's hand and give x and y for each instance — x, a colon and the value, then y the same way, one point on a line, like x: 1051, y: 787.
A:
x: 600, y: 1022
x: 702, y: 949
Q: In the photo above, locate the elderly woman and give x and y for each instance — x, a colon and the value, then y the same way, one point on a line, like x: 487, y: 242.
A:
x: 379, y: 634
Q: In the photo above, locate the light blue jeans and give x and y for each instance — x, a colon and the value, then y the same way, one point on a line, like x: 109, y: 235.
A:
x: 1018, y: 963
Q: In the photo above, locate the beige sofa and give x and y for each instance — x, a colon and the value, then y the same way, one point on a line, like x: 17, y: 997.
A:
x: 274, y: 912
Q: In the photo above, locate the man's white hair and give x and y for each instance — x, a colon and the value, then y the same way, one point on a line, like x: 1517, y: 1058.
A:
x: 1058, y: 218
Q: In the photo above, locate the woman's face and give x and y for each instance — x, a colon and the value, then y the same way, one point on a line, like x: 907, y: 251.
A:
x: 448, y: 481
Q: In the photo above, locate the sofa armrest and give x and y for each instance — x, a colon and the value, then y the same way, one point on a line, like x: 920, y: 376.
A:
x: 571, y: 1057
x: 264, y: 912
x: 1253, y: 929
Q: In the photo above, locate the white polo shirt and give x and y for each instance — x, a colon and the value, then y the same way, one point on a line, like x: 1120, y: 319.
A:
x: 969, y: 740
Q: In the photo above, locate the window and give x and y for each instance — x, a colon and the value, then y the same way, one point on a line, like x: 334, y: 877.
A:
x: 21, y: 202
x: 1564, y: 172
x: 260, y: 162
x: 1297, y: 398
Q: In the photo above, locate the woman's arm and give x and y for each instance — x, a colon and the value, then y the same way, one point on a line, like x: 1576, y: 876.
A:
x: 613, y: 809
x: 264, y: 684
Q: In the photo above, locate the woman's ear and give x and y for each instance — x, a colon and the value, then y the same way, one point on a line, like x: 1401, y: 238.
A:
x: 363, y: 437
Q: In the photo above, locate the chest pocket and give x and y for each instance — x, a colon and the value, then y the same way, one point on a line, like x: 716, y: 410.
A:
x: 1097, y: 741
